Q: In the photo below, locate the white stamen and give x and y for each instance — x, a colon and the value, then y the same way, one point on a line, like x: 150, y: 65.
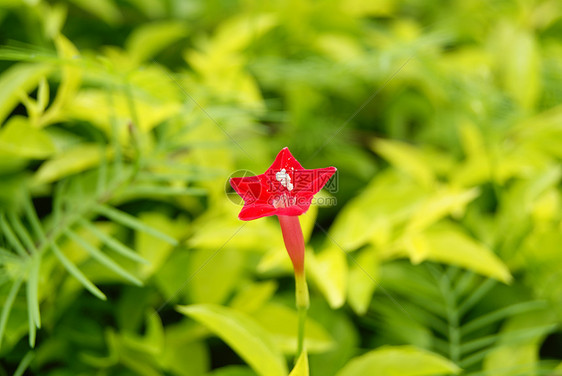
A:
x: 284, y: 178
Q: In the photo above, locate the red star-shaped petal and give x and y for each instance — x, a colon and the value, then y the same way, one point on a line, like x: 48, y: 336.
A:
x: 286, y: 188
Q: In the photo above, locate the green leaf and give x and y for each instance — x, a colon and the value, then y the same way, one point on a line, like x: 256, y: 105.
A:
x: 155, y: 249
x: 18, y: 138
x: 14, y: 80
x: 518, y: 59
x: 388, y: 200
x: 76, y: 273
x: 406, y: 158
x: 301, y: 368
x: 232, y: 371
x: 254, y: 296
x: 329, y: 272
x: 399, y: 361
x: 363, y: 280
x: 444, y: 202
x: 72, y: 161
x: 242, y: 334
x: 519, y: 342
x: 450, y: 245
x: 180, y: 340
x: 147, y: 40
x: 91, y: 105
x: 70, y: 82
x: 43, y: 94
x: 204, y: 267
x: 282, y: 323
x: 106, y: 10
x: 344, y: 334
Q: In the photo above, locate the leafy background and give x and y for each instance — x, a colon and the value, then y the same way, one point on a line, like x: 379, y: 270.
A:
x: 121, y: 254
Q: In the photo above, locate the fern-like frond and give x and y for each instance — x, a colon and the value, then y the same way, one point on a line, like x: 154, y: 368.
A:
x: 112, y: 242
x: 464, y: 325
x: 128, y: 220
x: 76, y: 273
x: 101, y: 257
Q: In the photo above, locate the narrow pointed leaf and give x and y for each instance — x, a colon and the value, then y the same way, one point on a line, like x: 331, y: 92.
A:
x: 500, y: 314
x: 31, y: 287
x: 242, y: 334
x: 113, y: 243
x: 21, y: 231
x: 76, y: 273
x: 130, y: 221
x: 33, y: 218
x: 58, y: 200
x: 102, y: 258
x: 102, y: 175
x: 32, y: 329
x: 512, y: 337
x: 24, y: 364
x: 7, y: 308
x: 476, y: 295
x: 12, y: 239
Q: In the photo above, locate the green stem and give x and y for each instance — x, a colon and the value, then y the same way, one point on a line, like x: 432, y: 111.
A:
x: 303, y: 302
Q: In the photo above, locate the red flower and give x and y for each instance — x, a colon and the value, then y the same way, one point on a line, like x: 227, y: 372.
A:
x: 285, y: 189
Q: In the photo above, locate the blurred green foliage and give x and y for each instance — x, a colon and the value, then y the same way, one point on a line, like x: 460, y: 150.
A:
x: 121, y: 254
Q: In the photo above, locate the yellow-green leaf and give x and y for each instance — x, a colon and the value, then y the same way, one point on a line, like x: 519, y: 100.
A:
x: 106, y: 10
x: 69, y: 162
x: 147, y: 40
x: 517, y: 351
x: 363, y: 280
x: 20, y: 139
x: 18, y: 78
x: 519, y: 62
x: 214, y: 273
x: 70, y: 83
x: 253, y: 296
x: 389, y: 200
x: 242, y: 334
x: 444, y: 202
x: 329, y: 272
x: 399, y: 361
x: 301, y: 368
x: 406, y: 158
x: 282, y: 323
x: 156, y: 250
x: 450, y: 245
